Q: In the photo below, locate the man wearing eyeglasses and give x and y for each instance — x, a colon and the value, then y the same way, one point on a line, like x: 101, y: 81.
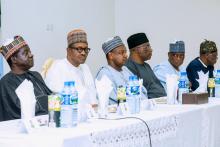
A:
x: 205, y: 63
x: 141, y: 51
x: 116, y: 55
x: 173, y: 66
x: 73, y: 67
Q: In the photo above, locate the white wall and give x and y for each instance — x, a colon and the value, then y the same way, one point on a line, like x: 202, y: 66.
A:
x: 165, y: 21
x: 45, y: 23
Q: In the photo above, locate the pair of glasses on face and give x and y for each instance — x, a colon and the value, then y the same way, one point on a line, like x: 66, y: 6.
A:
x: 80, y: 50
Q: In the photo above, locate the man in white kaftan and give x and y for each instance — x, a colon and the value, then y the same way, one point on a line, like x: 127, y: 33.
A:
x: 73, y: 68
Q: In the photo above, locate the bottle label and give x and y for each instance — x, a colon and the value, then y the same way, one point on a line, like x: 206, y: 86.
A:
x: 217, y: 80
x: 54, y: 103
x: 121, y: 93
x: 74, y: 98
x: 66, y: 100
x: 182, y: 84
x: 135, y: 90
x: 211, y: 83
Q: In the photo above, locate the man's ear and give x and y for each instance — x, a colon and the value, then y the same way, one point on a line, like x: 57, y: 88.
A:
x: 169, y: 54
x: 68, y: 50
x: 13, y: 59
x: 110, y: 55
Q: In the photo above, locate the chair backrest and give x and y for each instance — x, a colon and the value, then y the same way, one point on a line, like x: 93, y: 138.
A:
x: 46, y: 66
x: 1, y: 66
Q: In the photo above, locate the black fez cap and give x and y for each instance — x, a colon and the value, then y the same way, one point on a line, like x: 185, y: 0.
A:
x: 137, y: 39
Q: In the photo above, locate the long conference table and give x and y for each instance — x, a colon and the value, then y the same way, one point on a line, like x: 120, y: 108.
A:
x: 169, y: 126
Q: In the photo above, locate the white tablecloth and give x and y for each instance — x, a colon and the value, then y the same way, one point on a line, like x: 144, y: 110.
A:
x: 170, y: 126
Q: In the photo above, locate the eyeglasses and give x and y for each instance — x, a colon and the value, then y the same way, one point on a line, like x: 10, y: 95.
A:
x: 80, y: 50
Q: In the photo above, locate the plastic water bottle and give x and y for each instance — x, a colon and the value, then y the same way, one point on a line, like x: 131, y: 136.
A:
x: 129, y: 97
x: 74, y: 99
x: 217, y: 84
x: 66, y: 107
x: 183, y: 86
x: 133, y: 94
x: 136, y: 94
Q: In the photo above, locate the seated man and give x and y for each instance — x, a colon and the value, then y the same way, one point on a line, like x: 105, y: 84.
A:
x: 73, y: 67
x: 176, y: 56
x: 116, y: 55
x: 205, y: 63
x: 140, y: 51
x: 20, y: 59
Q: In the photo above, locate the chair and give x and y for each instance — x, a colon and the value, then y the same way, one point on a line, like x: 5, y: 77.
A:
x: 47, y: 64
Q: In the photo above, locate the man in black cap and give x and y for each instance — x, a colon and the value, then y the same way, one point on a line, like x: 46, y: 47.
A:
x: 141, y: 51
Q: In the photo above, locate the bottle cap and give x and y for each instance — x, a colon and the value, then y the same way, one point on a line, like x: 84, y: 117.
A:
x: 66, y: 83
x: 183, y: 73
x: 131, y: 78
x: 72, y: 83
x: 135, y: 77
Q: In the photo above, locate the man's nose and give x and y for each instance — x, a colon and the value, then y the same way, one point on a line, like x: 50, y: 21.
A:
x: 30, y: 54
x: 83, y: 52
